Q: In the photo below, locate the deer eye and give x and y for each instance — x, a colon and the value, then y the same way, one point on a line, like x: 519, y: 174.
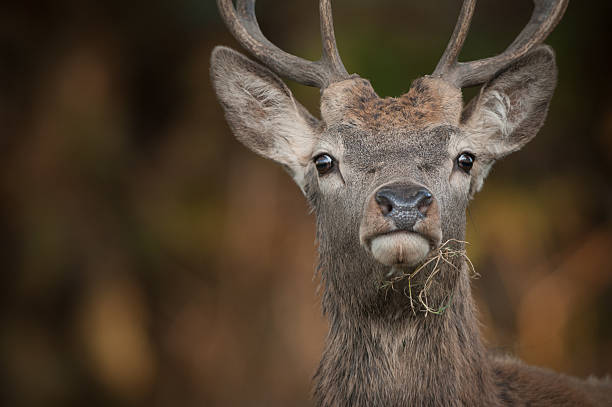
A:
x: 324, y: 163
x: 465, y: 161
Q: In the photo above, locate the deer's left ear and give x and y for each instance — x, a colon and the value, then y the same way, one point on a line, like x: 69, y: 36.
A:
x: 510, y: 109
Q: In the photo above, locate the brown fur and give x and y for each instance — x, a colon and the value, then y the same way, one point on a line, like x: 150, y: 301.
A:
x: 429, y: 100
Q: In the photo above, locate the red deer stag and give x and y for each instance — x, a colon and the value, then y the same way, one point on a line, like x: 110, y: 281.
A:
x: 389, y: 180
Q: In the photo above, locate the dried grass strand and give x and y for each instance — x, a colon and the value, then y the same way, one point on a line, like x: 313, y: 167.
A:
x: 442, y: 255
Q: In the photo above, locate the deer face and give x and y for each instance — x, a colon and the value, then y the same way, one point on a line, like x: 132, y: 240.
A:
x: 389, y: 179
x: 388, y: 158
x: 392, y: 176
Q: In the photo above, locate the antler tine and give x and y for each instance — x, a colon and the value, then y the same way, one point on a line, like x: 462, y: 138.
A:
x: 242, y: 23
x: 330, y: 57
x: 449, y: 58
x: 546, y: 14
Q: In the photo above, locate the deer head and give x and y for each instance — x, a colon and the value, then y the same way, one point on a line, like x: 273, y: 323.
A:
x: 389, y: 179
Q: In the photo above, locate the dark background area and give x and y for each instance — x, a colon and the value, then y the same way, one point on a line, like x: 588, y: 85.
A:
x: 149, y: 259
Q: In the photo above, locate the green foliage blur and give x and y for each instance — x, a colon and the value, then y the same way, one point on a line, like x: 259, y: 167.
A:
x: 149, y: 259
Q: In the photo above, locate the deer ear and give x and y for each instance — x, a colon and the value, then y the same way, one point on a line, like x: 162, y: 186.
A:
x: 262, y: 112
x: 511, y: 108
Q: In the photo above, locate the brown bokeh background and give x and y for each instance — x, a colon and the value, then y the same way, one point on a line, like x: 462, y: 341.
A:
x: 149, y: 259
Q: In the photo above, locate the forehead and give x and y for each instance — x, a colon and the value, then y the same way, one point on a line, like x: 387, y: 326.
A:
x: 417, y: 126
x: 363, y: 148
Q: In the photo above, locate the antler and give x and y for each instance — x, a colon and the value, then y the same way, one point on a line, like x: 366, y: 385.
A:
x: 242, y: 22
x: 546, y: 14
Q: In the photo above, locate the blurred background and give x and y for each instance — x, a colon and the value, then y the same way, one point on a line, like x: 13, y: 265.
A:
x: 149, y: 259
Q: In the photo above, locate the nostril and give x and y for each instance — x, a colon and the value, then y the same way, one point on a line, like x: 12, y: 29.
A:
x: 424, y: 201
x: 384, y: 204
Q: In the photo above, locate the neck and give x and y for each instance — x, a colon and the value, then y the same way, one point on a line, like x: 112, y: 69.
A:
x: 422, y: 359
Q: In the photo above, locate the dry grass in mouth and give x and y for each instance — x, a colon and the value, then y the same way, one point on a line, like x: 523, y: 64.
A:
x: 442, y: 255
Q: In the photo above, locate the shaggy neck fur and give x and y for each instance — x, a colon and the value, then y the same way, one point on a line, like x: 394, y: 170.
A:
x: 410, y: 360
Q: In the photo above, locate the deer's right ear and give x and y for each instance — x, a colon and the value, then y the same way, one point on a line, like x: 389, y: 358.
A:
x: 262, y: 112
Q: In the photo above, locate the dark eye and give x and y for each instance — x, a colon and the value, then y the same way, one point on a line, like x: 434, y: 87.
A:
x: 465, y: 161
x: 324, y: 163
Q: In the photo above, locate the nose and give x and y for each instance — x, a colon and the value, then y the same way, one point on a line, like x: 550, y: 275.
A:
x: 404, y: 204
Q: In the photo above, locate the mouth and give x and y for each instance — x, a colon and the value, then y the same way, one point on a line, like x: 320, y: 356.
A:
x: 401, y: 248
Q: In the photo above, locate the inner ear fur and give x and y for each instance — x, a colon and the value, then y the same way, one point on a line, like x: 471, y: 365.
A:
x: 512, y: 107
x: 261, y: 111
